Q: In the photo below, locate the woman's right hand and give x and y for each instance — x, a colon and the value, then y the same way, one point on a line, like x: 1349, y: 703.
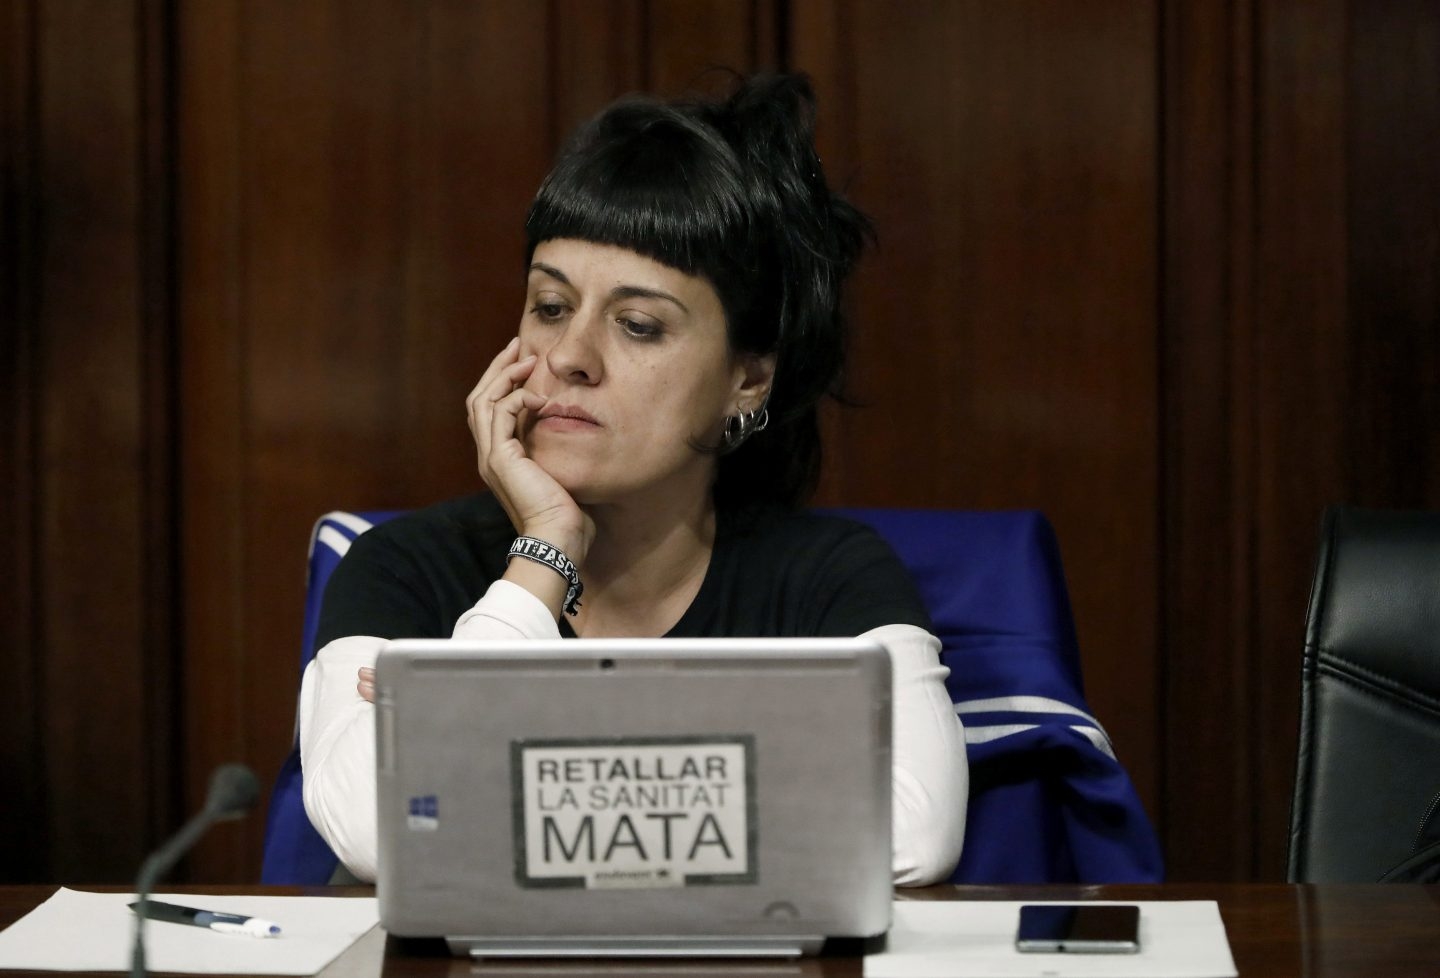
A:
x: 537, y: 505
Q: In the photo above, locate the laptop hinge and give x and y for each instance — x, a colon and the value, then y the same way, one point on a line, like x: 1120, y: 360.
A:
x: 779, y: 946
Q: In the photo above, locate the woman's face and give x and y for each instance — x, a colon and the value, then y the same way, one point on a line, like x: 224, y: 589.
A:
x: 637, y: 365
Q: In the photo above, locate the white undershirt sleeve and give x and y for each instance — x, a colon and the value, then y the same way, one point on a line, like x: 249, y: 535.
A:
x: 337, y: 726
x: 931, y: 775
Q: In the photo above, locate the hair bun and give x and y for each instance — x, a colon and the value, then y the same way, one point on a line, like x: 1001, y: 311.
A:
x: 771, y: 124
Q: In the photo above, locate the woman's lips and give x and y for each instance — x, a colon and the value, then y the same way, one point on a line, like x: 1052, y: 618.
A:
x: 565, y: 417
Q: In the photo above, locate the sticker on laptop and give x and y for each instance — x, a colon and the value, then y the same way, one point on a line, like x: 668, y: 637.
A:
x: 634, y: 812
x: 423, y: 814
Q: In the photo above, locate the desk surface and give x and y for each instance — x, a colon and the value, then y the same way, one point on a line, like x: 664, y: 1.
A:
x: 1276, y: 930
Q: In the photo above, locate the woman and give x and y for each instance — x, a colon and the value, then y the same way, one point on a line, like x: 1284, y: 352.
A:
x: 647, y: 438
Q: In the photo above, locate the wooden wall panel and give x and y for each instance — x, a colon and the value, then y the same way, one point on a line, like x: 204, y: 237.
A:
x: 687, y: 38
x: 1392, y: 205
x: 90, y: 648
x: 1006, y: 341
x: 600, y: 51
x: 1301, y: 322
x: 597, y: 51
x: 23, y: 818
x: 1299, y: 348
x: 1208, y: 385
x: 209, y: 437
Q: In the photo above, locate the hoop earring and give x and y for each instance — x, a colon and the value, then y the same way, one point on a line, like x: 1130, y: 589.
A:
x: 739, y: 427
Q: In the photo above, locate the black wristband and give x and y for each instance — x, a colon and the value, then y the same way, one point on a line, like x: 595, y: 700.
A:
x: 552, y: 557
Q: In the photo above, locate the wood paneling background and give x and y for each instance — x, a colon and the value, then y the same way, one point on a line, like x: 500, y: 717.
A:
x: 87, y: 610
x: 1168, y: 271
x: 1007, y: 342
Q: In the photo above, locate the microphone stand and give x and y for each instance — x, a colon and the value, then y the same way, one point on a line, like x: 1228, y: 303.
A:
x: 232, y: 792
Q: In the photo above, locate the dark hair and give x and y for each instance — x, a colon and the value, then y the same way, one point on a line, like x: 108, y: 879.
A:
x: 733, y: 191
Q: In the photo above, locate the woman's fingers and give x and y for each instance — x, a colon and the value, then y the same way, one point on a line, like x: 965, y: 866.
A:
x: 366, y: 686
x: 505, y: 358
x: 495, y: 382
x: 480, y: 405
x: 495, y: 413
x: 505, y: 418
x: 517, y: 482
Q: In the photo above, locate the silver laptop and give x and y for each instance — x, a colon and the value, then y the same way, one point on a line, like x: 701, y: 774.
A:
x: 634, y: 797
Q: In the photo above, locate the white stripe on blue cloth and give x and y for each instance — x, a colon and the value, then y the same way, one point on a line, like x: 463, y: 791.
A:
x: 355, y: 524
x: 333, y: 539
x: 981, y: 735
x: 976, y: 734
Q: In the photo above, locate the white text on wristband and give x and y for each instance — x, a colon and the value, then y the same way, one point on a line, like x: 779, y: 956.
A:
x: 532, y: 548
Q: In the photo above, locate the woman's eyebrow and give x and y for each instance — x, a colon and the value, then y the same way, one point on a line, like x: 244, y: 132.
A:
x: 550, y: 270
x: 640, y: 292
x: 619, y: 292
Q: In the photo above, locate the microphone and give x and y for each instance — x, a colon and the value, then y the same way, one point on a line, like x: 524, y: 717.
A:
x: 233, y: 792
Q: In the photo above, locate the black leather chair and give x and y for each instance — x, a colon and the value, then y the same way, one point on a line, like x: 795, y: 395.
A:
x: 1367, y: 784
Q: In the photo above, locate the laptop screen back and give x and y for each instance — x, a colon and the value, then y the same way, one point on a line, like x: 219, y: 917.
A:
x: 677, y: 796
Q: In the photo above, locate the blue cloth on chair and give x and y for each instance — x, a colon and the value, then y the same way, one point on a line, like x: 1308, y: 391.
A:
x: 294, y: 853
x: 1048, y: 800
x: 1049, y: 803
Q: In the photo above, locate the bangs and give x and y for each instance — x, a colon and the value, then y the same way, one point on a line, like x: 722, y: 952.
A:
x: 645, y: 178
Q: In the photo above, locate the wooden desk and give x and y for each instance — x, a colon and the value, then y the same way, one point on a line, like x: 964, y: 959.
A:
x: 1275, y: 930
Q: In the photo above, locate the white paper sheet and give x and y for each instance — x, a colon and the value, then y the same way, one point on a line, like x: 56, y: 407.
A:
x: 76, y: 930
x: 941, y: 939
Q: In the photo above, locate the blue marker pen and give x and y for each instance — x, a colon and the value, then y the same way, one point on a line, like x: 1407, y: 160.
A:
x: 224, y: 923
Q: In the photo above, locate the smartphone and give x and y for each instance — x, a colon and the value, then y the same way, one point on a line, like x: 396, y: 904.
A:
x: 1079, y: 927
